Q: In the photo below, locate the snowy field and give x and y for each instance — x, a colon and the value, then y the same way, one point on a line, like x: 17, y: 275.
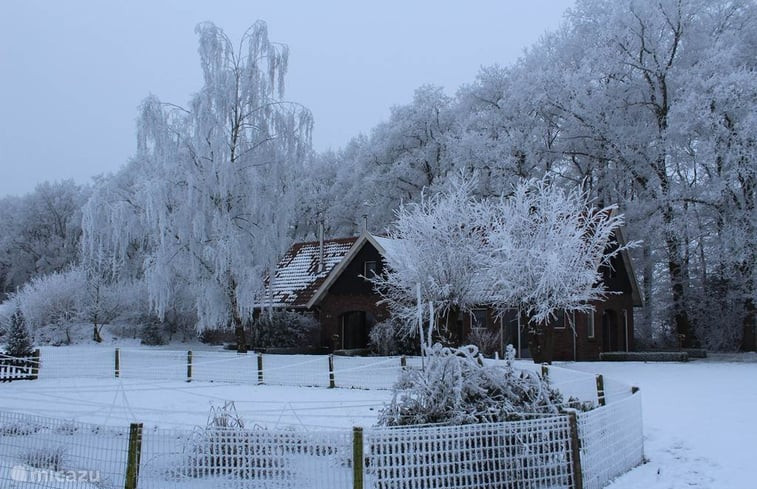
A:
x: 177, y: 404
x: 699, y: 421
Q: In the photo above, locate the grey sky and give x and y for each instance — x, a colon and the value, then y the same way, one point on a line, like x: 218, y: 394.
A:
x: 72, y: 73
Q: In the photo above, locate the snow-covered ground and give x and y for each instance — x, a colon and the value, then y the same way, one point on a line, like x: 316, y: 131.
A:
x: 699, y: 417
x: 700, y: 421
x: 178, y: 404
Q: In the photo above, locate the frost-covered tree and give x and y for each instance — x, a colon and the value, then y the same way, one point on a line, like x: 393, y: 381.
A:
x: 39, y: 232
x: 439, y: 245
x: 215, y: 201
x: 539, y: 251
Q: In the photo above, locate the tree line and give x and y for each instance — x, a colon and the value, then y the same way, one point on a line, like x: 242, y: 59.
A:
x: 647, y: 105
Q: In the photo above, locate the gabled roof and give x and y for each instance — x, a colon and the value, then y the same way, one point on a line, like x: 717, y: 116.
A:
x: 297, y: 275
x: 337, y: 270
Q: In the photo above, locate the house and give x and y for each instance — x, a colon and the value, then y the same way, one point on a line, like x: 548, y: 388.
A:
x: 326, y: 279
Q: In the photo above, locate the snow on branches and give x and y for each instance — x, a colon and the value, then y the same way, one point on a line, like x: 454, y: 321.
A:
x: 539, y: 250
x: 214, y: 198
x: 456, y: 387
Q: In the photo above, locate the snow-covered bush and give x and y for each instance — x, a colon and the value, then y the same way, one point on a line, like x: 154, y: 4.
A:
x: 456, y: 387
x: 48, y: 458
x: 391, y: 338
x: 283, y: 329
x: 152, y: 334
x: 19, y: 341
x: 53, y: 299
x: 487, y: 340
x: 226, y: 448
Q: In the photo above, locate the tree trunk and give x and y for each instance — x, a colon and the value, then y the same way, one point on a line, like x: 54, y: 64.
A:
x: 749, y: 338
x: 96, y: 333
x: 236, y: 319
x: 541, y: 343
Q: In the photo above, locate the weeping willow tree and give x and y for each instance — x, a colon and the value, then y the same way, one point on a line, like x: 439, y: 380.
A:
x: 213, y: 198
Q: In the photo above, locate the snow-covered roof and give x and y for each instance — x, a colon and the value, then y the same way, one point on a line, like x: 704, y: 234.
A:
x: 387, y: 246
x: 297, y: 275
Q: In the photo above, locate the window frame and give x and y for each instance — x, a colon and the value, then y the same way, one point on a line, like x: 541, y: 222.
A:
x: 374, y: 270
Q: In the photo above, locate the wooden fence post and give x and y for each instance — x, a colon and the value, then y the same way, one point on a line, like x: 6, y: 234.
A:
x: 118, y: 362
x: 357, y: 457
x: 575, y: 451
x: 544, y: 371
x: 260, y: 368
x: 332, y: 383
x: 189, y: 366
x: 35, y: 365
x: 601, y: 390
x: 134, y: 456
x: 403, y: 362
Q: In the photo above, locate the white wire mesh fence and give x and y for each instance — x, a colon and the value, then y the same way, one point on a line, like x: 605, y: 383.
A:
x: 48, y: 452
x: 539, y: 452
x: 532, y: 453
x: 611, y: 440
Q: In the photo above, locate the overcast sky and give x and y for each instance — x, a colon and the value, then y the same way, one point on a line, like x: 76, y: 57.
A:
x: 72, y: 73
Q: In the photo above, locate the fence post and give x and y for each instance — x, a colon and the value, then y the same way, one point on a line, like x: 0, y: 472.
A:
x: 134, y: 455
x: 35, y: 365
x: 403, y: 362
x: 260, y: 368
x: 575, y: 450
x: 357, y: 457
x: 189, y: 366
x: 118, y: 362
x: 332, y: 383
x: 601, y: 390
x: 544, y: 371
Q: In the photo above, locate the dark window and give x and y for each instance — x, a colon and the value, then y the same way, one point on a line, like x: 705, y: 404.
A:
x: 590, y: 325
x: 369, y: 269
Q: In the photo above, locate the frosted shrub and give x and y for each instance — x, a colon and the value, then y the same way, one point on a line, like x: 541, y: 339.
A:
x: 225, y: 448
x: 485, y: 339
x: 390, y: 338
x: 49, y: 458
x: 283, y: 329
x: 457, y: 388
x: 53, y: 298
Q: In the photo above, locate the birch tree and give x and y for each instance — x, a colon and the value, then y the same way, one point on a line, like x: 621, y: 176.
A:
x: 216, y: 198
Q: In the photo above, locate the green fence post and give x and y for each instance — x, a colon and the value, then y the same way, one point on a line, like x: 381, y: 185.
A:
x: 544, y: 371
x: 260, y: 368
x: 189, y: 366
x: 601, y: 390
x: 134, y: 456
x: 575, y: 451
x: 332, y: 382
x: 403, y: 362
x: 35, y: 365
x: 357, y: 457
x: 118, y: 362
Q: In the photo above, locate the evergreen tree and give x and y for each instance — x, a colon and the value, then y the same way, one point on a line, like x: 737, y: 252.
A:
x: 19, y: 339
